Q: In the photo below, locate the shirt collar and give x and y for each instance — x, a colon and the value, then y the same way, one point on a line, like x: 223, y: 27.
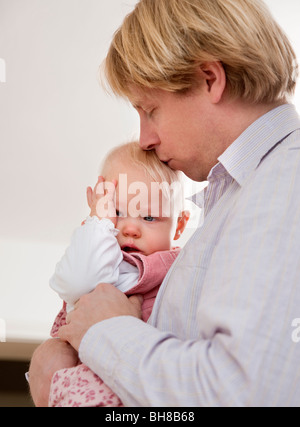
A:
x: 247, y: 151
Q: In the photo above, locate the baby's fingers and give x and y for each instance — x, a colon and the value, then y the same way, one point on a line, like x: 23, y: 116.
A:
x: 89, y: 196
x: 110, y: 188
x: 99, y: 189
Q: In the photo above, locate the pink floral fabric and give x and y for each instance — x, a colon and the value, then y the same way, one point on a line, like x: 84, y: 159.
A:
x: 79, y: 386
x: 59, y: 321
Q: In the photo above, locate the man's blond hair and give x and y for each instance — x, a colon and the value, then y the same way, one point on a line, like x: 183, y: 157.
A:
x: 162, y: 42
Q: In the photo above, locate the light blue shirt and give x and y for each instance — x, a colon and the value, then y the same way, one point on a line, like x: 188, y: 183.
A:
x: 221, y: 330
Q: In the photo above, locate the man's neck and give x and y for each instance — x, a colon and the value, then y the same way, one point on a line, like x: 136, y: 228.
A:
x: 242, y: 115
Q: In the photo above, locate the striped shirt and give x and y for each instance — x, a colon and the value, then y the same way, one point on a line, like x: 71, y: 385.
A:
x: 221, y: 332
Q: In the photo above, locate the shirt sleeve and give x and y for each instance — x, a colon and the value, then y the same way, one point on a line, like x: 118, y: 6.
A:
x: 93, y: 257
x: 151, y: 368
x: 243, y: 353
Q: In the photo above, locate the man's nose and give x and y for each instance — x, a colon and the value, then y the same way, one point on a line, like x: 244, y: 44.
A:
x: 148, y: 136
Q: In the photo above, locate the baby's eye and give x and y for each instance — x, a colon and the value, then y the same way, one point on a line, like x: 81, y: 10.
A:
x: 119, y: 214
x: 149, y: 218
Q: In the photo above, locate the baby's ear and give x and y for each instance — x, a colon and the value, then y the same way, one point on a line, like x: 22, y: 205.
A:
x: 181, y: 224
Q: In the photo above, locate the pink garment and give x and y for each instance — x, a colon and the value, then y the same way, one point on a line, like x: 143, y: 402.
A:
x: 79, y: 386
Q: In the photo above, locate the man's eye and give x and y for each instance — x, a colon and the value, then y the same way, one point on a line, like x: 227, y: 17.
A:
x: 150, y: 113
x: 149, y: 218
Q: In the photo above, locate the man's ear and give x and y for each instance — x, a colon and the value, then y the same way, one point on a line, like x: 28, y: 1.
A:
x: 181, y: 224
x: 214, y: 75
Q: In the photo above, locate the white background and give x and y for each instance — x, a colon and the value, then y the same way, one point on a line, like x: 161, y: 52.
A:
x: 56, y: 124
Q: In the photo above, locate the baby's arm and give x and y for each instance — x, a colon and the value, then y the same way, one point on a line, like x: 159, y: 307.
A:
x: 94, y: 254
x: 93, y: 257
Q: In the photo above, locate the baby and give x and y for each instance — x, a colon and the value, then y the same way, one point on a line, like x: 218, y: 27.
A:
x: 136, y: 213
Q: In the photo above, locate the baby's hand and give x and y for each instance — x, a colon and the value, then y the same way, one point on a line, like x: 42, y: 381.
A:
x: 101, y: 200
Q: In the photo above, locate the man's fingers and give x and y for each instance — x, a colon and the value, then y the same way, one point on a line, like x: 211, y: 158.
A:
x: 68, y: 318
x: 137, y: 301
x: 63, y: 333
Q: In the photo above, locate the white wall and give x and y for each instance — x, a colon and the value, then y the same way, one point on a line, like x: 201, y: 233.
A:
x: 55, y: 125
x: 287, y: 14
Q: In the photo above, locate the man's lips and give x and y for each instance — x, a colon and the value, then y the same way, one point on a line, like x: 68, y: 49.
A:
x: 165, y: 161
x: 169, y: 163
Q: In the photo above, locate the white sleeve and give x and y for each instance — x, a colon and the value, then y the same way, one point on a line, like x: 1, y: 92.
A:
x: 128, y: 276
x: 93, y: 257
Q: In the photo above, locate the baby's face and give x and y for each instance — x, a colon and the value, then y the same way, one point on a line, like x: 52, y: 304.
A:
x: 145, y: 218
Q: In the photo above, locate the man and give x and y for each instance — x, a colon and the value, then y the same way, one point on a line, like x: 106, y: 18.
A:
x: 211, y: 82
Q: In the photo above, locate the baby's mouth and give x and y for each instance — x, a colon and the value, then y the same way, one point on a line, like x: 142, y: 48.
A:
x: 130, y: 249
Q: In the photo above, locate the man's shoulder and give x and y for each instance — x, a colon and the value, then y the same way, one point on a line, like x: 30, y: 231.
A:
x: 284, y: 155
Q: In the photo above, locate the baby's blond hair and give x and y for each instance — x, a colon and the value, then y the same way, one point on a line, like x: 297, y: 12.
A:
x: 152, y: 166
x: 148, y: 160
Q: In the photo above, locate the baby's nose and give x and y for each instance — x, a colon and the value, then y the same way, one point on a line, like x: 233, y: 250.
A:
x: 131, y: 230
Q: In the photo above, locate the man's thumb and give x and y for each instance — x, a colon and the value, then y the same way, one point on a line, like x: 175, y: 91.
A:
x: 137, y: 299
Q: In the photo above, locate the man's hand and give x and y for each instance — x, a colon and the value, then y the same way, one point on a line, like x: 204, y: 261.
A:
x: 49, y: 357
x: 103, y: 303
